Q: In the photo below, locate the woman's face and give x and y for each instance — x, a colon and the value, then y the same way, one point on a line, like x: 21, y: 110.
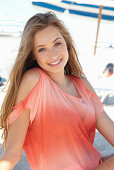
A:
x: 50, y: 50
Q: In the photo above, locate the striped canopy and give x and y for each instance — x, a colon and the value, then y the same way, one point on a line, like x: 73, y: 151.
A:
x: 78, y: 7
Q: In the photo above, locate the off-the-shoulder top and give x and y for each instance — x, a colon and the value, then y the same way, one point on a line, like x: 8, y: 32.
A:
x: 62, y: 127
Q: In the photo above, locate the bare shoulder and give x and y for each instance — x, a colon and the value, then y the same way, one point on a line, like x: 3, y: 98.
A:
x: 88, y: 85
x: 28, y: 82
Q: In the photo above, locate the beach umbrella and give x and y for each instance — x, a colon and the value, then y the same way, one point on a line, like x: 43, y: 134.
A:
x: 94, y: 9
x: 91, y: 9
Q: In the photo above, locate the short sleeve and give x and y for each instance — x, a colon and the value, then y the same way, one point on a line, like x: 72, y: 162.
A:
x: 16, y: 112
x: 27, y: 103
x: 98, y: 106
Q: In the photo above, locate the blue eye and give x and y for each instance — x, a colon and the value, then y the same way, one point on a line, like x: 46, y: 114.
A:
x: 42, y: 49
x: 57, y: 44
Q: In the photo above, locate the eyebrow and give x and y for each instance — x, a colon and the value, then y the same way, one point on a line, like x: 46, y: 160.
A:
x: 44, y: 44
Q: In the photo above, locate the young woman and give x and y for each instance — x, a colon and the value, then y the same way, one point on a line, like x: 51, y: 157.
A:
x: 50, y: 108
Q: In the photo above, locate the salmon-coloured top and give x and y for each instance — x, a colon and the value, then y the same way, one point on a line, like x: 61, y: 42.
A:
x: 62, y: 127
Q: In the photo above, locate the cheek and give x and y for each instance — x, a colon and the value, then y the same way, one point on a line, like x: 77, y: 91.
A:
x: 39, y: 60
x: 38, y: 57
x: 66, y: 52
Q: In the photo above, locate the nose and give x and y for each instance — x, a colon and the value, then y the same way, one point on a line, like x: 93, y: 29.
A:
x: 52, y: 53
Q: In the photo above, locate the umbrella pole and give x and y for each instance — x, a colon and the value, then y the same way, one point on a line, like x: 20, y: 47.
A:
x: 99, y: 18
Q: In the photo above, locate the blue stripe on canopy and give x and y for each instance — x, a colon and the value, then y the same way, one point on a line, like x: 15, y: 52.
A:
x: 83, y: 13
x: 86, y: 5
x: 49, y: 6
x: 90, y: 14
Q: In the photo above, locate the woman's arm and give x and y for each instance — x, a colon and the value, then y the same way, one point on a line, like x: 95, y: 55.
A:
x: 106, y: 127
x: 16, y: 136
x: 103, y: 122
x: 18, y: 129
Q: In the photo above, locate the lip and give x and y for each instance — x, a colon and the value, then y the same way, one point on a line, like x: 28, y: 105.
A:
x: 55, y: 65
x: 55, y: 61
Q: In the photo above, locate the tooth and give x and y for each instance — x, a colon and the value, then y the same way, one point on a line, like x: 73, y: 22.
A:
x: 55, y: 62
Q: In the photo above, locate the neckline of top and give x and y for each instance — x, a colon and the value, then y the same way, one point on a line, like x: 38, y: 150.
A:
x: 66, y: 94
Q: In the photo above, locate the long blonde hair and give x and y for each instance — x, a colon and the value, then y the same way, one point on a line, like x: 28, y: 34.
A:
x: 25, y: 60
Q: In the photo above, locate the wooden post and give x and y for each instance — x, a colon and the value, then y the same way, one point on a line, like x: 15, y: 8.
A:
x: 99, y: 18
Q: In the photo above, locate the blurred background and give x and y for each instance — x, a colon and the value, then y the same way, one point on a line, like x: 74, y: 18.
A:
x: 82, y: 22
x: 83, y: 28
x: 92, y: 28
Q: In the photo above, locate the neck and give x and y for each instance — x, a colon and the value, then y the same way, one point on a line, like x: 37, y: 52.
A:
x: 60, y: 79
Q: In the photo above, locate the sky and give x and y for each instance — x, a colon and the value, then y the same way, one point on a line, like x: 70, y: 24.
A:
x: 16, y: 9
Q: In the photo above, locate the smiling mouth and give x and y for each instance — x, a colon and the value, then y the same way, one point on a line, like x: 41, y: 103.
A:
x: 55, y: 63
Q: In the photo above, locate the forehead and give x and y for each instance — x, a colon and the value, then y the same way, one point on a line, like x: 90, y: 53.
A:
x: 49, y: 33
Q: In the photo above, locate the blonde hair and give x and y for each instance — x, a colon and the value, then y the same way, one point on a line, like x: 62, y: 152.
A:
x: 25, y: 60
